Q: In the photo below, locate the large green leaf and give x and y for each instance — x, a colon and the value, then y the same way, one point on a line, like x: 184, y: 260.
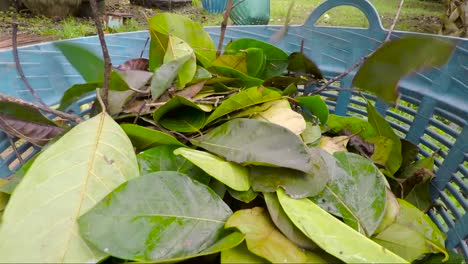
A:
x: 240, y: 254
x: 276, y: 59
x: 383, y: 129
x: 332, y: 235
x: 412, y: 235
x: 284, y: 224
x: 156, y: 217
x: 187, y: 30
x: 162, y: 158
x: 143, y: 138
x: 165, y: 75
x: 356, y: 192
x: 176, y: 49
x: 396, y: 59
x: 88, y: 64
x: 233, y: 175
x: 248, y: 141
x: 263, y: 239
x: 316, y: 106
x: 246, y: 98
x: 64, y: 182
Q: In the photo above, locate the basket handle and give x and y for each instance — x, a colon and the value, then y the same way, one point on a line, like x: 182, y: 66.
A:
x: 364, y: 5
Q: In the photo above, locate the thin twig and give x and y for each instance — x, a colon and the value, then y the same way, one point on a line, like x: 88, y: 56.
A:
x: 13, y: 146
x: 139, y: 112
x: 18, y: 64
x: 144, y: 47
x: 105, y: 53
x: 363, y: 59
x: 9, y: 99
x: 223, y: 27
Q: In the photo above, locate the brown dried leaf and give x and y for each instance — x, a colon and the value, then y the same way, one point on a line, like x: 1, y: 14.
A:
x: 192, y: 90
x: 139, y: 64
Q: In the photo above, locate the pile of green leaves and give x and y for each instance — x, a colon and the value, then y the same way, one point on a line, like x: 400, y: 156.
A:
x: 221, y: 159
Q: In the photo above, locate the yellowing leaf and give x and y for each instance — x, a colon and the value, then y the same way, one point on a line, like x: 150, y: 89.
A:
x: 334, y: 144
x: 64, y: 182
x: 279, y: 112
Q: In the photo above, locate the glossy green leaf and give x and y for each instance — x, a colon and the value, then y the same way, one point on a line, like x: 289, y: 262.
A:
x: 383, y: 128
x: 240, y: 254
x: 64, y: 182
x: 162, y: 158
x: 279, y: 112
x: 156, y: 217
x: 236, y: 62
x: 356, y: 192
x: 284, y: 224
x: 143, y: 138
x: 316, y: 106
x: 165, y: 75
x: 332, y: 235
x: 233, y: 175
x: 234, y: 77
x: 299, y: 63
x: 88, y: 64
x: 412, y: 235
x: 354, y: 124
x: 262, y: 237
x: 276, y: 59
x: 245, y: 196
x: 178, y: 49
x: 256, y: 61
x: 187, y: 30
x: 382, y: 71
x: 246, y: 98
x: 248, y: 141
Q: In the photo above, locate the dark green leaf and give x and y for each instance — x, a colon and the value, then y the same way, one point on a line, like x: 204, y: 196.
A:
x: 246, y: 98
x: 263, y: 239
x: 282, y: 82
x: 454, y: 258
x: 276, y: 59
x: 248, y: 141
x: 90, y: 66
x: 356, y: 192
x: 299, y: 63
x: 290, y: 90
x: 218, y: 187
x: 160, y: 216
x: 162, y: 158
x: 381, y: 73
x: 316, y: 106
x: 284, y: 224
x: 187, y: 30
x: 76, y: 92
x: 246, y: 197
x: 165, y: 75
x: 143, y: 138
x: 234, y: 77
x: 383, y: 128
x: 412, y: 235
x: 240, y: 254
x: 409, y: 152
x: 354, y: 124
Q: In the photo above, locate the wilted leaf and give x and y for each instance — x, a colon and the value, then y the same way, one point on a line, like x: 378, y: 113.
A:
x: 299, y: 63
x: 187, y: 30
x: 334, y: 144
x: 160, y: 216
x: 383, y: 70
x: 279, y: 112
x: 284, y: 224
x: 64, y: 182
x: 276, y: 59
x: 233, y: 175
x: 246, y: 98
x: 332, y: 235
x: 383, y: 128
x: 246, y: 196
x: 412, y: 235
x: 192, y: 90
x: 137, y: 64
x: 162, y: 158
x: 178, y: 49
x: 240, y: 254
x: 88, y: 64
x: 248, y: 141
x: 143, y: 138
x: 262, y: 237
x: 409, y: 152
x: 165, y: 75
x: 316, y: 106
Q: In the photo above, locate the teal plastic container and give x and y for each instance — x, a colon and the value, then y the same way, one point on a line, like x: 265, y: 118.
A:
x: 250, y: 12
x: 214, y: 6
x: 433, y: 110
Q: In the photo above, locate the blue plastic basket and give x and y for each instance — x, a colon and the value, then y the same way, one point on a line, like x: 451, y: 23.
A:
x: 214, y: 6
x: 433, y: 110
x: 250, y: 12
